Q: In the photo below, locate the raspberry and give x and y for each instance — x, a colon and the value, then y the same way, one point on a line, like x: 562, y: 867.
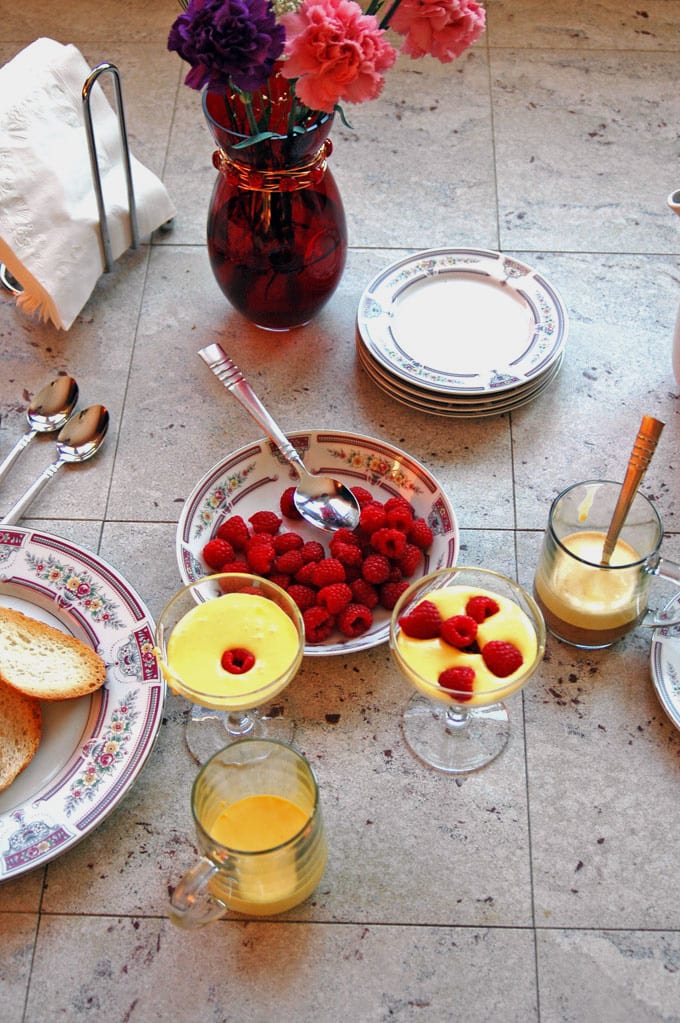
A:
x: 420, y: 534
x: 261, y: 540
x: 260, y: 558
x: 216, y: 552
x: 459, y: 631
x: 480, y: 607
x: 372, y: 517
x: 376, y: 568
x: 287, y: 542
x: 390, y: 593
x: 352, y: 572
x: 355, y: 620
x: 410, y: 559
x: 237, y: 661
x: 327, y: 571
x: 364, y: 593
x: 347, y: 553
x: 335, y: 597
x: 235, y: 530
x: 362, y: 495
x: 423, y: 622
x: 232, y: 566
x: 502, y: 658
x: 319, y: 623
x: 306, y: 574
x: 312, y: 551
x: 290, y: 562
x: 287, y: 504
x: 399, y: 514
x: 344, y: 535
x: 281, y: 579
x: 459, y: 680
x: 396, y: 502
x: 265, y: 522
x: 304, y: 596
x: 390, y: 542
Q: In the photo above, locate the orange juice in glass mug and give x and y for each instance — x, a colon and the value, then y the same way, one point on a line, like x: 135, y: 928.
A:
x: 258, y: 821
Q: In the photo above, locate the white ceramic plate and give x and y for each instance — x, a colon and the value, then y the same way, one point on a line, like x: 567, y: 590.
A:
x: 665, y: 663
x: 255, y: 476
x: 462, y: 321
x: 92, y: 748
x: 507, y: 401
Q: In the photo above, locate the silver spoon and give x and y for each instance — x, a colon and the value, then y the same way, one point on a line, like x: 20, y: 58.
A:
x: 322, y: 501
x: 79, y: 440
x: 50, y: 409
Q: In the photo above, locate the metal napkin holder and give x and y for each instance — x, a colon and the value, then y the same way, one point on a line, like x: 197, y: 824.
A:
x: 106, y: 67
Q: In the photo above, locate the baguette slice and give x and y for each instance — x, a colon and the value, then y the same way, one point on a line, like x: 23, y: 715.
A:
x: 20, y: 731
x: 41, y: 661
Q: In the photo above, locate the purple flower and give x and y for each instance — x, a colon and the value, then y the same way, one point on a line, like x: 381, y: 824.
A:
x: 228, y: 41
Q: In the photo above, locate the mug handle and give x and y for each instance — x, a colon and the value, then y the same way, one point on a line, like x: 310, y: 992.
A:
x: 191, y: 904
x: 670, y: 571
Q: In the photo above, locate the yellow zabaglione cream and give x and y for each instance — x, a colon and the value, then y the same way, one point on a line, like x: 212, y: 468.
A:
x: 234, y: 621
x: 428, y: 658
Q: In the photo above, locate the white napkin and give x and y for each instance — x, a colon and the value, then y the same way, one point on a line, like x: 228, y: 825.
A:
x: 49, y: 225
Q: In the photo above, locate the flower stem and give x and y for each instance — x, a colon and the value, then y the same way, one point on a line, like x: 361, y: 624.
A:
x: 384, y: 23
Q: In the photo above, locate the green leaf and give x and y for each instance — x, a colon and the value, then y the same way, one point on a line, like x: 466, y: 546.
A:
x: 341, y: 114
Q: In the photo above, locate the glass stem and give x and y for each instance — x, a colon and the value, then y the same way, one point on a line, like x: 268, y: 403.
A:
x: 238, y: 726
x: 457, y: 719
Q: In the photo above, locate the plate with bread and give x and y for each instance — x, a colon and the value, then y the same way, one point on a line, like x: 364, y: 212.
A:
x: 81, y: 695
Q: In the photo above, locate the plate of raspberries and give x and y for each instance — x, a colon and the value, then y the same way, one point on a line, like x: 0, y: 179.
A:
x: 240, y: 517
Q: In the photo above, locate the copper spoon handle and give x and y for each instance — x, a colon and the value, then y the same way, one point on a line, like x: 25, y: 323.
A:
x: 640, y: 457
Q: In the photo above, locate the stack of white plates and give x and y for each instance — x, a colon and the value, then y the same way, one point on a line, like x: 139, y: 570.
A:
x: 461, y: 332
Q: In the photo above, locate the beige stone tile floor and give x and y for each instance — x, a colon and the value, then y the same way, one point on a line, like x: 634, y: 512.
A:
x: 542, y: 889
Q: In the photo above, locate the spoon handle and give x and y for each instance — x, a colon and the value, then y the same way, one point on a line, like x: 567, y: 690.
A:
x: 11, y: 458
x: 18, y: 509
x: 228, y: 373
x: 640, y: 457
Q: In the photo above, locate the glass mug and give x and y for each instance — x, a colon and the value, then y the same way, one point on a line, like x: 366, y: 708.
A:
x: 588, y: 604
x: 258, y: 820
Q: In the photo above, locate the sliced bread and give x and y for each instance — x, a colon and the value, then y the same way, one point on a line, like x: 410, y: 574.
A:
x: 20, y: 730
x: 43, y: 662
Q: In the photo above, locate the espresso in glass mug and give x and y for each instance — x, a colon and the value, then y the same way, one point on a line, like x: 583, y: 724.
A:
x: 584, y: 602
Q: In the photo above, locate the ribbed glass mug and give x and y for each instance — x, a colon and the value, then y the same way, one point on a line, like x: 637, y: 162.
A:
x: 258, y: 821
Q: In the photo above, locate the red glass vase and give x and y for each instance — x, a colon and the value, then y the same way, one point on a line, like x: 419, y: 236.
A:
x: 277, y: 236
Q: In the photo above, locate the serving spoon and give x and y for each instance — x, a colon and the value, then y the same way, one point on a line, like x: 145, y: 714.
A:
x: 77, y: 441
x: 50, y: 409
x: 322, y: 501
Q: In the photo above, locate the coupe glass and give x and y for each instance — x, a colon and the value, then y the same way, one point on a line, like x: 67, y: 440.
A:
x: 228, y: 706
x: 455, y: 731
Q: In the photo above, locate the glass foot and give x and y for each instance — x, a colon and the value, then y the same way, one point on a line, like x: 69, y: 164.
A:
x: 208, y: 731
x: 452, y: 741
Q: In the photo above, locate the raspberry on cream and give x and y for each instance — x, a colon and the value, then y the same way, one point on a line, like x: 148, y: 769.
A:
x: 426, y: 659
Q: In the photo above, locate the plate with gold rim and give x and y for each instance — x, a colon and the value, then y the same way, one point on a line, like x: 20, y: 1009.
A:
x: 92, y: 748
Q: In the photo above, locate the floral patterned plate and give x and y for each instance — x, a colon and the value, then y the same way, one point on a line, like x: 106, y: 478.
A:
x: 92, y: 748
x: 665, y: 663
x: 462, y: 322
x: 255, y: 476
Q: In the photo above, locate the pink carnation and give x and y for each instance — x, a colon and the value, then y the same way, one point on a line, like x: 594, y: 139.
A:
x: 336, y: 52
x: 442, y: 28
